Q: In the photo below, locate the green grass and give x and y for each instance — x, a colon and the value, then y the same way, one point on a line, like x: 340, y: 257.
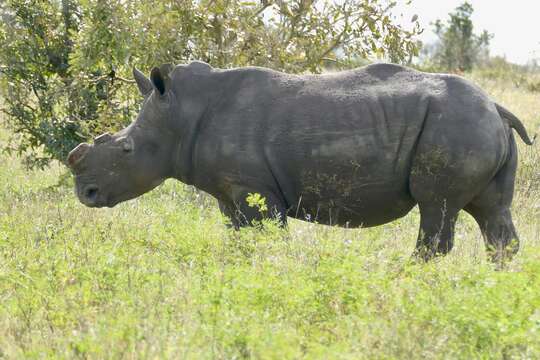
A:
x: 161, y: 277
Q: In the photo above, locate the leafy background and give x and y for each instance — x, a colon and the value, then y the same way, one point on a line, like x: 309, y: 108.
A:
x: 160, y: 276
x: 67, y: 64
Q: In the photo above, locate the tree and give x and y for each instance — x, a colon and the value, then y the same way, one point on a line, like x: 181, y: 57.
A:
x: 459, y: 48
x: 66, y: 64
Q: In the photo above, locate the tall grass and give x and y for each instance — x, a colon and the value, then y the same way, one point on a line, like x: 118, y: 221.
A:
x: 161, y: 277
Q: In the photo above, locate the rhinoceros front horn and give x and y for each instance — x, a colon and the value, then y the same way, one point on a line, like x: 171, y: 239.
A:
x: 77, y: 154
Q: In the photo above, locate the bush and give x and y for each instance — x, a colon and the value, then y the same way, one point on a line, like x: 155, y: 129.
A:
x: 65, y: 63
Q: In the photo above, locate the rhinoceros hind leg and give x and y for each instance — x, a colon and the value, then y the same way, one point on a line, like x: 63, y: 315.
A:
x: 441, y: 185
x: 491, y: 210
x: 500, y: 236
x: 436, y: 235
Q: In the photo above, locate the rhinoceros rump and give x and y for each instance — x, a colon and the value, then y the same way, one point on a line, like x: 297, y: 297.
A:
x: 354, y: 148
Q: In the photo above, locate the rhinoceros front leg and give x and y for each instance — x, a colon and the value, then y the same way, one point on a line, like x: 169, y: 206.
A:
x: 241, y: 213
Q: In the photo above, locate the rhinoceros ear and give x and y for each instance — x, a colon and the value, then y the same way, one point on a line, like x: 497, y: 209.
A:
x: 160, y: 77
x: 143, y: 83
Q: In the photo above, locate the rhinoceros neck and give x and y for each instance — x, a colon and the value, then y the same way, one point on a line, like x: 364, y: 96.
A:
x: 197, y: 107
x: 183, y: 168
x: 182, y: 160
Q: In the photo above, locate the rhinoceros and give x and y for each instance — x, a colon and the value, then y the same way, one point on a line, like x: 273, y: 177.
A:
x: 357, y: 148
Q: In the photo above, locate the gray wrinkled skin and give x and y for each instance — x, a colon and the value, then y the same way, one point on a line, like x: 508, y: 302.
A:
x: 354, y: 148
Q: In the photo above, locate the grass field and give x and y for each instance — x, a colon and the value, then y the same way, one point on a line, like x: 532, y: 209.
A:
x: 161, y: 277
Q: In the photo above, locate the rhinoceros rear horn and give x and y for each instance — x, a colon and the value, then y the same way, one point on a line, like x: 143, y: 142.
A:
x: 143, y: 83
x: 77, y: 154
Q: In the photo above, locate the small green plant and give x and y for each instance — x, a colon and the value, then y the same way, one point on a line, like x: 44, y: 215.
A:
x: 256, y: 200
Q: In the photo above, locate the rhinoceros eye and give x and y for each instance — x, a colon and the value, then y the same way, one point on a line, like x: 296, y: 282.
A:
x: 126, y: 145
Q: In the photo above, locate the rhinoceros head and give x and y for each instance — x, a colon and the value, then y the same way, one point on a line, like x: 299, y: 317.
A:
x: 124, y: 165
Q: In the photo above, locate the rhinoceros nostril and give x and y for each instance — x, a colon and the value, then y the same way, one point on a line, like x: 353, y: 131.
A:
x: 90, y: 193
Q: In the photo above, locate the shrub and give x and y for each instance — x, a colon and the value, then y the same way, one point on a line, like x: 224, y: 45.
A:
x: 65, y: 63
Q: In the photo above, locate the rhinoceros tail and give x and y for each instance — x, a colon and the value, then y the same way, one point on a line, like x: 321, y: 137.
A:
x: 515, y: 123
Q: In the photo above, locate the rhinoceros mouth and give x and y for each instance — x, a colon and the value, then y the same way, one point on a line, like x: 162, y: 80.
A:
x: 111, y: 201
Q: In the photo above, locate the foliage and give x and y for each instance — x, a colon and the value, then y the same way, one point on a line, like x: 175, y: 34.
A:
x: 162, y: 277
x: 458, y: 47
x: 65, y: 63
x: 35, y: 45
x: 255, y: 200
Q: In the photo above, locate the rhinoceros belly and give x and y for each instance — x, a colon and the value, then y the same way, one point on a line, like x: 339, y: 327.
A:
x: 350, y: 199
x: 348, y: 180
